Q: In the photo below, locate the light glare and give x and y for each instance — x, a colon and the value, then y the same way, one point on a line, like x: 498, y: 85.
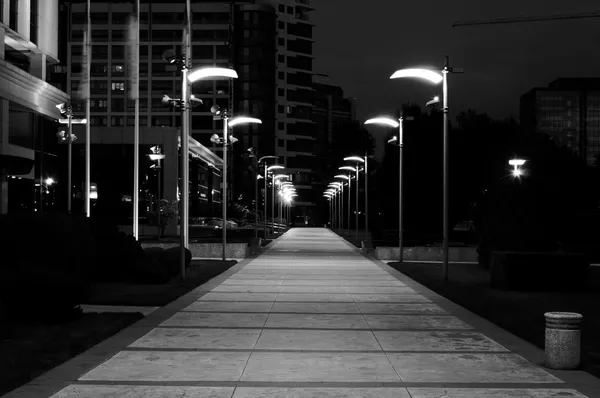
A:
x: 426, y: 74
x: 384, y: 121
x: 205, y: 73
x: 243, y: 120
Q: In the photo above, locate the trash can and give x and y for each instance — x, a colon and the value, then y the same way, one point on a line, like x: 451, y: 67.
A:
x: 563, y: 340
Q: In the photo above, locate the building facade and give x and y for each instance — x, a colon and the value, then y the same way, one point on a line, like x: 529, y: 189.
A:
x: 29, y: 161
x: 568, y: 110
x: 268, y: 43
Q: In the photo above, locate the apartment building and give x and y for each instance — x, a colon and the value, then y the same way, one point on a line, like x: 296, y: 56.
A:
x: 568, y: 110
x: 29, y: 161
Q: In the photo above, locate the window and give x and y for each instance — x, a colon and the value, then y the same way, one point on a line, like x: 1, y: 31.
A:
x: 281, y: 41
x: 281, y: 8
x: 116, y: 121
x: 281, y: 75
x: 281, y: 58
x: 118, y: 68
x: 290, y: 10
x: 281, y: 126
x: 281, y: 143
x: 13, y: 14
x: 281, y: 92
x: 99, y: 69
x: 118, y: 86
x: 118, y: 52
x: 33, y: 21
x: 281, y: 109
x: 281, y: 25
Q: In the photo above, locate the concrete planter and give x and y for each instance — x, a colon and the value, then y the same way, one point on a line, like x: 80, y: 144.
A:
x: 455, y: 254
x: 207, y: 250
x: 563, y: 340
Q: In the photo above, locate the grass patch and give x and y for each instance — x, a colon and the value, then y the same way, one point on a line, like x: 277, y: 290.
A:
x: 200, y: 272
x: 28, y: 350
x: 521, y: 313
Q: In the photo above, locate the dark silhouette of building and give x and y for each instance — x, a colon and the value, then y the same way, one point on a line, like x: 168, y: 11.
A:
x: 568, y: 110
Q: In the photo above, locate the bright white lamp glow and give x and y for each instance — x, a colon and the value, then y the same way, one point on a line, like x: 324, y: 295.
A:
x: 354, y: 159
x: 342, y: 176
x: 278, y: 176
x: 156, y: 156
x: 426, y: 74
x: 49, y: 181
x: 206, y: 73
x: 347, y: 168
x: 386, y: 121
x: 516, y: 162
x: 275, y: 167
x: 243, y: 120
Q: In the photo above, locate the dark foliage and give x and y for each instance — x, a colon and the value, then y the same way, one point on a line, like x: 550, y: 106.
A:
x: 48, y: 265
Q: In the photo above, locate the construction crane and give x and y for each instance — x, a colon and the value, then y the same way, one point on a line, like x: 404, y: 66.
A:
x: 593, y: 14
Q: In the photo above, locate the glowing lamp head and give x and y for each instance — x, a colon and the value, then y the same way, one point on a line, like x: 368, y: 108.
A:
x: 383, y: 121
x: 212, y: 73
x: 429, y: 75
x: 354, y: 159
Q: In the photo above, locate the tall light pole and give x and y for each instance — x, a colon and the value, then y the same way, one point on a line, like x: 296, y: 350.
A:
x: 338, y: 187
x: 355, y: 170
x: 358, y: 160
x: 343, y: 177
x: 275, y: 178
x: 397, y: 140
x: 437, y: 78
x: 258, y: 164
x: 226, y: 140
x: 66, y: 112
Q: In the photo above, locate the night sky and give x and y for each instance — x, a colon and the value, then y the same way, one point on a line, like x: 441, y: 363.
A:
x: 361, y: 43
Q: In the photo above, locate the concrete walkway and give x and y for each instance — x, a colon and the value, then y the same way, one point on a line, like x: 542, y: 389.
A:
x: 311, y: 317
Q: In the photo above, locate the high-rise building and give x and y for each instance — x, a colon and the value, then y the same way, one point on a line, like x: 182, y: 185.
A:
x: 568, y: 110
x: 295, y: 129
x: 269, y: 44
x: 29, y: 162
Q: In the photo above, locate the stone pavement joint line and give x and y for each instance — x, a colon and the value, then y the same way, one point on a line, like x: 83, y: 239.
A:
x: 310, y: 317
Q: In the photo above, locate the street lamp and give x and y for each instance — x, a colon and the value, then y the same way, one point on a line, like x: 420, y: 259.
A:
x: 358, y: 160
x: 331, y: 193
x: 517, y: 163
x: 226, y: 140
x: 274, y: 167
x: 157, y: 156
x: 66, y: 111
x: 344, y: 177
x: 257, y: 166
x: 340, y: 194
x: 184, y: 64
x: 437, y: 78
x: 276, y: 178
x: 350, y: 192
x: 399, y: 141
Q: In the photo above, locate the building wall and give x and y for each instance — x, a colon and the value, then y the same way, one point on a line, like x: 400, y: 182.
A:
x: 569, y: 112
x: 28, y: 148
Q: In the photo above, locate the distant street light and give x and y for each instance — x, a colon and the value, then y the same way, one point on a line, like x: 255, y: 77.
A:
x: 437, y: 78
x: 226, y: 140
x: 358, y: 160
x: 66, y: 111
x: 517, y: 164
x: 399, y: 141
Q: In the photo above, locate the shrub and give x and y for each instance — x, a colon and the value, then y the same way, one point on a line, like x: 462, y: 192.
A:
x: 49, y: 263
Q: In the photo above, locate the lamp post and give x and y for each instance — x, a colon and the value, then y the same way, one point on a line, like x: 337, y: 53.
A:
x: 399, y: 141
x: 186, y: 102
x: 437, y: 78
x: 66, y: 112
x: 345, y: 177
x: 157, y: 156
x: 257, y: 164
x: 338, y: 186
x: 225, y: 140
x: 355, y: 170
x: 267, y: 169
x: 275, y: 178
x: 358, y: 160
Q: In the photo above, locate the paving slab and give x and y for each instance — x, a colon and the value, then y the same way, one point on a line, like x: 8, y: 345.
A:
x: 173, y: 338
x: 468, y: 368
x: 331, y: 367
x: 266, y: 392
x: 323, y: 340
x: 166, y: 366
x: 310, y: 317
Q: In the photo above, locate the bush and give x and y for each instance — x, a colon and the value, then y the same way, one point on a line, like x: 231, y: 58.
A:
x: 49, y: 263
x: 120, y: 257
x: 165, y: 263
